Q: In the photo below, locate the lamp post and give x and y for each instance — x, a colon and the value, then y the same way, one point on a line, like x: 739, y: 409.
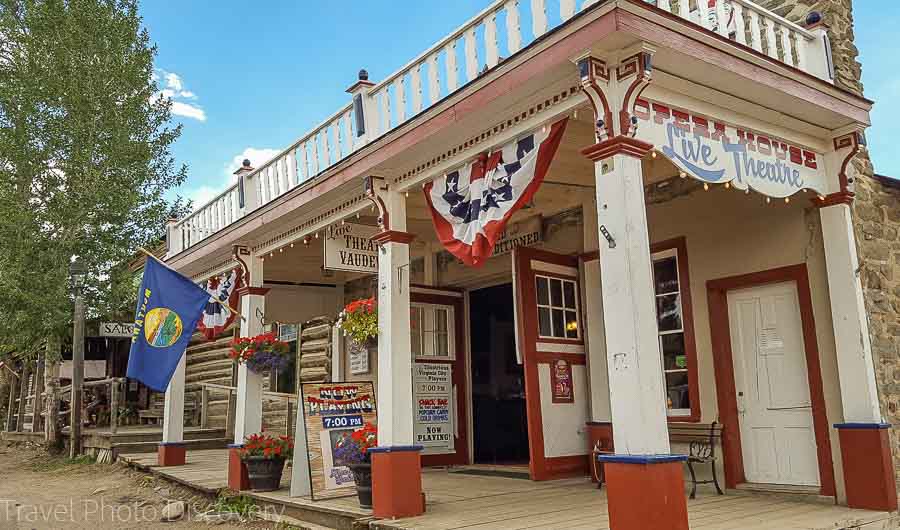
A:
x: 76, y: 274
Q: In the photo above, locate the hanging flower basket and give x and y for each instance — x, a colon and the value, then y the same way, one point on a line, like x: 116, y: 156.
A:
x: 352, y: 450
x: 264, y: 455
x: 359, y: 321
x: 261, y: 353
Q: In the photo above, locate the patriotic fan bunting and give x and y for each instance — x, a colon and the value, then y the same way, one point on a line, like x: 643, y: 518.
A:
x: 217, y: 318
x: 471, y: 205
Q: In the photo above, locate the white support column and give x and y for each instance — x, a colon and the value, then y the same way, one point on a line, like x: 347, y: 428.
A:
x: 248, y: 411
x: 173, y: 411
x: 856, y: 369
x: 395, y: 396
x: 593, y: 318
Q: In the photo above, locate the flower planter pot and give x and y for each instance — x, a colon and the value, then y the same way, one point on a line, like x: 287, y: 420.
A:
x: 362, y: 474
x: 264, y: 473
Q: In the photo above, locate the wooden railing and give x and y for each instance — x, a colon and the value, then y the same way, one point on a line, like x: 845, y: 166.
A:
x: 500, y: 30
x: 206, y: 389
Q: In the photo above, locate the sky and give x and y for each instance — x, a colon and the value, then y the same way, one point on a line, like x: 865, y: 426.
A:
x: 247, y: 80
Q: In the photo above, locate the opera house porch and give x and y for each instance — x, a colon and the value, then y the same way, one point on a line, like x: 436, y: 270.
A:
x: 677, y: 251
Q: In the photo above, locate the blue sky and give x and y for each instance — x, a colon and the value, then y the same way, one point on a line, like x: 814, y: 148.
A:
x: 246, y: 81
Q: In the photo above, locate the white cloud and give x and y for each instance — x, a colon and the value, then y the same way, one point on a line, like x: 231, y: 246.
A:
x: 257, y: 157
x: 180, y: 108
x: 202, y: 195
x: 175, y: 91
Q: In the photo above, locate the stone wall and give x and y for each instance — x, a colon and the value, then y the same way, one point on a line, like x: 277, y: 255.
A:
x: 876, y: 213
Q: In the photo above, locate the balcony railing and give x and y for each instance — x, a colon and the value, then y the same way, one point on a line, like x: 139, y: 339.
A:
x: 500, y: 30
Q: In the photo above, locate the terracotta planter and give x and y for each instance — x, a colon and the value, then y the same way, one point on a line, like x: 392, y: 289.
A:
x: 362, y: 474
x: 264, y: 473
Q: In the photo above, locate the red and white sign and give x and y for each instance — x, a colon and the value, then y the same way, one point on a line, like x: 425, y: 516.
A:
x: 471, y: 205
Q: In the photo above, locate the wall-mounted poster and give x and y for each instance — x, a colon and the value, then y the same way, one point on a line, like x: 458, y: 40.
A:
x: 331, y: 410
x: 433, y: 392
x: 561, y: 381
x: 359, y: 358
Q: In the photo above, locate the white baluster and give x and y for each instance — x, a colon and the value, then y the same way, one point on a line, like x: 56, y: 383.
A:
x: 471, y: 55
x: 385, y: 110
x: 348, y: 132
x: 221, y: 212
x: 327, y: 147
x: 703, y: 13
x: 567, y: 8
x: 800, y: 50
x: 315, y: 155
x: 285, y: 173
x: 739, y: 23
x: 415, y: 87
x: 306, y: 172
x: 786, y: 46
x: 539, y: 17
x: 664, y: 4
x: 336, y: 137
x: 513, y: 31
x: 755, y: 31
x: 684, y: 9
x: 771, y: 46
x: 400, y: 94
x: 452, y: 75
x: 293, y: 175
x: 722, y: 18
x: 491, y: 54
x: 434, y: 83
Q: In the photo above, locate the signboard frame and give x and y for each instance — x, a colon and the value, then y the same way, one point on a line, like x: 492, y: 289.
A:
x: 346, y: 245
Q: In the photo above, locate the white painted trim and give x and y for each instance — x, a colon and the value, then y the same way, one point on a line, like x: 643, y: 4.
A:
x: 562, y: 270
x: 554, y: 347
x: 436, y: 292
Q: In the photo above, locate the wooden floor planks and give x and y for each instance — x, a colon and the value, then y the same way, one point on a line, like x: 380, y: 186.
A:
x: 472, y: 502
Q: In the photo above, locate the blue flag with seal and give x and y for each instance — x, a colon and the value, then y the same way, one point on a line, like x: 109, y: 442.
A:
x: 168, y: 308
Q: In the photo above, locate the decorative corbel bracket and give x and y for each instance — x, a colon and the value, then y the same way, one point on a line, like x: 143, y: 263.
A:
x: 238, y: 252
x: 846, y: 147
x: 613, y: 89
x: 374, y: 188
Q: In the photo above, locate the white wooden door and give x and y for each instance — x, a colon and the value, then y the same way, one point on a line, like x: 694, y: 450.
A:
x: 772, y: 383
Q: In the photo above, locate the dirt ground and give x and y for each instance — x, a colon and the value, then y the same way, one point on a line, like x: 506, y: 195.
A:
x: 38, y: 491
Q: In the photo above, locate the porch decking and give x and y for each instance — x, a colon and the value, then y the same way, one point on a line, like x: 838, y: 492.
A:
x: 457, y: 500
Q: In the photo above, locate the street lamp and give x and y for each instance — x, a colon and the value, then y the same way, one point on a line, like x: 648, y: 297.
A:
x: 77, y: 271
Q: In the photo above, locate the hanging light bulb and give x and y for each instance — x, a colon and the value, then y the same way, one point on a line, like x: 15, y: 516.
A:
x: 357, y: 215
x: 292, y: 245
x: 768, y: 200
x: 705, y: 186
x: 306, y: 240
x: 682, y: 174
x: 343, y: 222
x: 747, y: 191
x: 271, y: 254
x: 317, y: 235
x: 407, y: 194
x: 727, y: 185
x: 280, y: 250
x: 787, y: 200
x: 653, y: 154
x: 575, y: 114
x: 544, y: 128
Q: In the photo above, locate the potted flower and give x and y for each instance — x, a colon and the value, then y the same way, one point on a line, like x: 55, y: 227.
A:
x: 352, y: 450
x: 261, y: 353
x: 359, y: 321
x: 264, y: 455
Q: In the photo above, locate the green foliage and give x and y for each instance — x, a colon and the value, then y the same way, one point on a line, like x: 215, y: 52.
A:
x: 239, y: 504
x: 47, y: 463
x: 85, y: 161
x: 359, y: 320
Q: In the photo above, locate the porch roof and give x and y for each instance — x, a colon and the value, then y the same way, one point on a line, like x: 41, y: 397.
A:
x: 538, y: 83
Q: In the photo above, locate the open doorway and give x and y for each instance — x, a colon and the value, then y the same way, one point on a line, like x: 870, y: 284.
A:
x: 498, y: 381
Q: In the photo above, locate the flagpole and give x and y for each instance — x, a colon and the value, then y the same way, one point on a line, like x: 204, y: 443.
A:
x: 211, y: 299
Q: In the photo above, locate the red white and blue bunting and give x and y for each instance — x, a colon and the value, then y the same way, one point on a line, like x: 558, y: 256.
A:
x: 217, y: 318
x: 471, y: 204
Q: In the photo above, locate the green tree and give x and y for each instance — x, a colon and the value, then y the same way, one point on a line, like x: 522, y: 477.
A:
x: 85, y: 162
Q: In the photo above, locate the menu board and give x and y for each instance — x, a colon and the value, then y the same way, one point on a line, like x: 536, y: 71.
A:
x: 331, y: 410
x: 433, y: 392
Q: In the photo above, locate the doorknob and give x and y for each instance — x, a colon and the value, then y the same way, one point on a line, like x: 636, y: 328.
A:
x: 740, y: 403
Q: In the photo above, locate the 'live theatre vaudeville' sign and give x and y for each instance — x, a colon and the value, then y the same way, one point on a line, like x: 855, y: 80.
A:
x: 348, y: 247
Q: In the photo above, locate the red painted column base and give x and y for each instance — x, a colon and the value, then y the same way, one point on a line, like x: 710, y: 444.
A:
x: 171, y: 454
x: 238, y: 479
x: 600, y: 436
x: 868, y: 470
x: 397, y: 482
x: 645, y: 492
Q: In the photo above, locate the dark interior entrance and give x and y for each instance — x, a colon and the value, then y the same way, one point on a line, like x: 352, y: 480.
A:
x: 498, y: 381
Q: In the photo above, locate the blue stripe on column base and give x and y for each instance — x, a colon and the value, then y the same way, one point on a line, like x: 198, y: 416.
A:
x: 862, y: 425
x: 396, y: 448
x: 172, y: 444
x: 640, y: 459
x: 235, y: 446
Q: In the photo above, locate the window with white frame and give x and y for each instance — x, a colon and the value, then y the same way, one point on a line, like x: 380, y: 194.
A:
x: 431, y: 331
x: 670, y: 319
x: 557, y: 307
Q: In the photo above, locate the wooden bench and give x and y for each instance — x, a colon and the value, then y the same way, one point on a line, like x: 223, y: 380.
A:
x: 701, y: 440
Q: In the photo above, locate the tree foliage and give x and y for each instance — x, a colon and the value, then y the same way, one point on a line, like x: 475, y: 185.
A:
x: 85, y: 162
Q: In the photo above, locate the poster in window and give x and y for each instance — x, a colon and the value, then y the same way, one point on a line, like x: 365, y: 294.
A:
x: 561, y: 381
x: 434, y: 408
x: 331, y: 411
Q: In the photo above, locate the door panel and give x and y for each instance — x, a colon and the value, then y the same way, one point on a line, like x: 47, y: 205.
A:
x: 772, y: 383
x: 549, y: 338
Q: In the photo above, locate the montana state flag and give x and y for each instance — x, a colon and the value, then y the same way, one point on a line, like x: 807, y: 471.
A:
x: 168, y: 308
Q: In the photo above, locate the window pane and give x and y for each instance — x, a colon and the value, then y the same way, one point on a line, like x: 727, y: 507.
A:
x: 441, y: 345
x: 569, y: 292
x: 415, y: 330
x: 440, y: 320
x: 544, y: 322
x: 668, y: 312
x: 665, y: 273
x: 543, y: 295
x: 559, y: 323
x: 571, y: 325
x: 556, y: 293
x: 673, y: 354
x: 677, y: 393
